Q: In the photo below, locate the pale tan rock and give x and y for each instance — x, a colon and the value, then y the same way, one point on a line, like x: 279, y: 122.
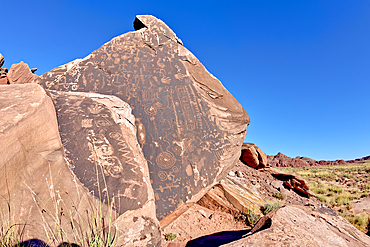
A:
x: 215, y: 200
x: 241, y: 195
x: 39, y: 185
x: 20, y: 73
x: 100, y: 129
x: 299, y: 226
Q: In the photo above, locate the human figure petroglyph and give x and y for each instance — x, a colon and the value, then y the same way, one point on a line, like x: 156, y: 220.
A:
x: 149, y: 67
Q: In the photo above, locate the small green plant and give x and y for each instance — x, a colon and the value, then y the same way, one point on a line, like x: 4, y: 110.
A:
x: 268, y: 207
x: 251, y: 217
x: 279, y: 195
x: 170, y: 236
x: 338, y: 187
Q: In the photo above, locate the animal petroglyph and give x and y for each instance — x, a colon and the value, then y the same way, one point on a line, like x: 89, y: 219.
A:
x: 183, y: 113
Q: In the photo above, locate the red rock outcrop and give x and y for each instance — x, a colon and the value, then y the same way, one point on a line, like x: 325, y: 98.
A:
x: 291, y: 181
x: 189, y: 126
x: 281, y: 160
x: 253, y: 156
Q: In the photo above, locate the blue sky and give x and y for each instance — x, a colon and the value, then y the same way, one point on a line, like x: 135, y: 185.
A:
x: 301, y: 69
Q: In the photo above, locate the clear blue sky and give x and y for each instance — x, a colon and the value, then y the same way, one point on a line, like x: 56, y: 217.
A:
x: 301, y: 69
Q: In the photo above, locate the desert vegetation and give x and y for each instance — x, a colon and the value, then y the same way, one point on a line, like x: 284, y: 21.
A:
x: 339, y: 187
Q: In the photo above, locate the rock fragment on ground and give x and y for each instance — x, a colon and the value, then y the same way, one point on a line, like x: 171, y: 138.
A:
x: 291, y: 181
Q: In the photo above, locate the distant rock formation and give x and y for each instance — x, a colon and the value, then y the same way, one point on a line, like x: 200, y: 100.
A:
x: 189, y: 126
x: 281, y: 160
x: 359, y: 159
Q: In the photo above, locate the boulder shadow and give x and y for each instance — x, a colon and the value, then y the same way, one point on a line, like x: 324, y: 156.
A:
x: 218, y: 239
x: 40, y: 243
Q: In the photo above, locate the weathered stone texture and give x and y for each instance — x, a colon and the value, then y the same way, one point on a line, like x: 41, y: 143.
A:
x: 20, y: 73
x: 40, y: 192
x: 298, y: 226
x: 253, y: 156
x: 189, y: 126
x: 99, y: 137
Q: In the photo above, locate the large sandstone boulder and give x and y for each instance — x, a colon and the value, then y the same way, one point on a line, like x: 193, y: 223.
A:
x: 253, y: 156
x: 190, y: 127
x: 45, y: 196
x: 299, y: 226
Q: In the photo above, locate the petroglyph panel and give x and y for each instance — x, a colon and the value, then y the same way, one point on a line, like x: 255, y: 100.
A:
x: 99, y: 150
x: 189, y: 126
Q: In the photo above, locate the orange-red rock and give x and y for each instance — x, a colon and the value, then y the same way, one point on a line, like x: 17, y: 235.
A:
x: 253, y: 156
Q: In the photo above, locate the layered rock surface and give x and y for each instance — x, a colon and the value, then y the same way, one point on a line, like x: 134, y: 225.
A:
x: 189, y: 126
x: 299, y: 226
x: 40, y: 193
x: 99, y: 138
x: 253, y: 156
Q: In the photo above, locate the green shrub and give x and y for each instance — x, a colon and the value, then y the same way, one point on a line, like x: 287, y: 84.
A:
x: 268, y: 207
x: 279, y: 195
x: 170, y: 236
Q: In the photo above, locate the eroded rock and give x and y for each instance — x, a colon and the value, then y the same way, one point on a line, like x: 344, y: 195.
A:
x: 253, y: 156
x: 240, y: 194
x: 291, y: 181
x: 41, y: 195
x: 189, y: 126
x: 299, y: 226
x: 99, y: 137
x: 20, y: 73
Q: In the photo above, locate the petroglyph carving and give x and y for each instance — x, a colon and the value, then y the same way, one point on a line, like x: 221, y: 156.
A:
x: 165, y: 160
x: 183, y: 113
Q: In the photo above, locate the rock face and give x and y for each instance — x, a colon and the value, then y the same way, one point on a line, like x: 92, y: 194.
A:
x: 253, y: 156
x: 39, y: 191
x: 99, y: 137
x: 281, y: 160
x: 298, y: 226
x: 20, y: 73
x: 189, y: 126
